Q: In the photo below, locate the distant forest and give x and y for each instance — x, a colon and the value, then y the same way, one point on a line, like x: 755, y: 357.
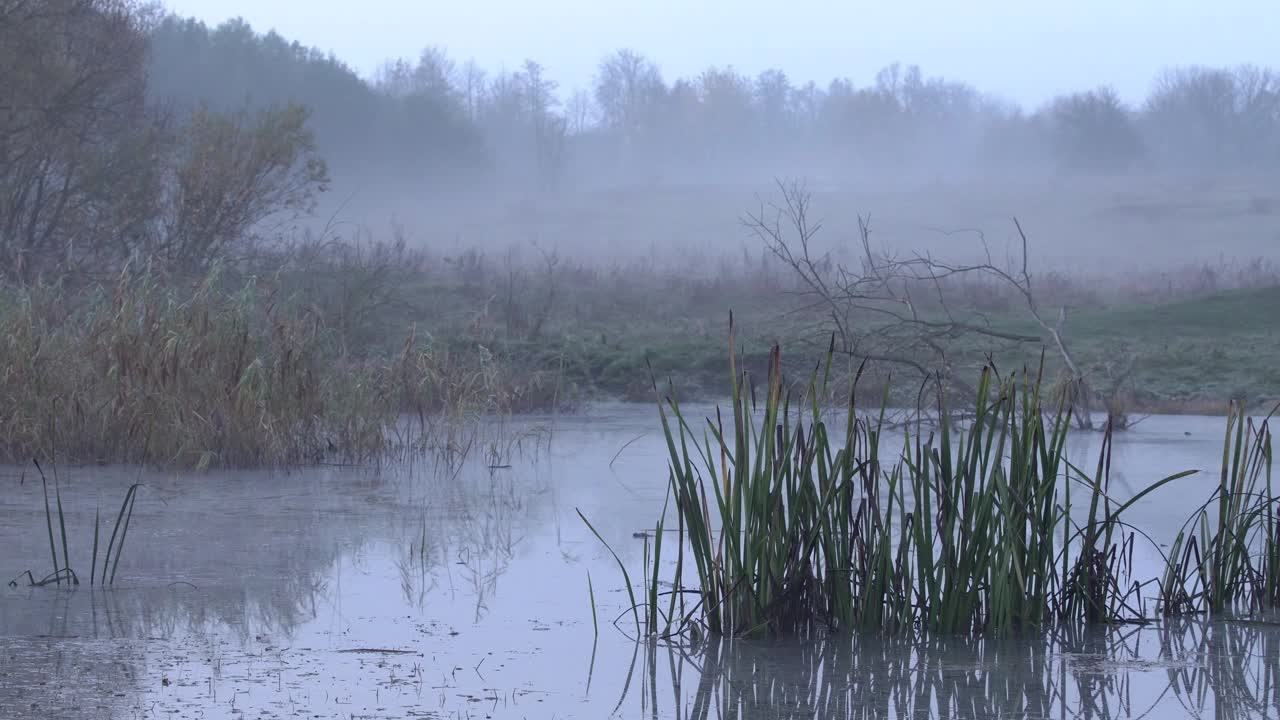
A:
x: 125, y: 132
x: 434, y: 117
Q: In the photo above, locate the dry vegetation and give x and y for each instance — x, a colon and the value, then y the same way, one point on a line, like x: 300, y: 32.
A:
x: 219, y: 373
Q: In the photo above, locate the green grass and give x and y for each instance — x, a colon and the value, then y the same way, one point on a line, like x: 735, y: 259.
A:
x: 1212, y: 348
x: 1191, y: 355
x: 1233, y: 312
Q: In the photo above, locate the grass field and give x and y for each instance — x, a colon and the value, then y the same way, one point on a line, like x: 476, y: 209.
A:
x: 1211, y: 348
x: 1190, y: 355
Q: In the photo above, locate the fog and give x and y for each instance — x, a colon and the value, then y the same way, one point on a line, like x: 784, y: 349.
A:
x: 657, y: 157
x: 1118, y: 138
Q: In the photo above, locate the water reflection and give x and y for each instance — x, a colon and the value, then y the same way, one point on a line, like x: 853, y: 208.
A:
x: 278, y: 592
x: 1223, y: 669
x: 472, y: 548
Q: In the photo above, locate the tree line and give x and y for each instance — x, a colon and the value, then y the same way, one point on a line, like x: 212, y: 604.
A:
x: 127, y: 133
x: 433, y: 116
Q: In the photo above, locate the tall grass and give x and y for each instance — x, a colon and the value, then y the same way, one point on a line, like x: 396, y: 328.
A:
x: 793, y: 520
x: 1227, y: 556
x: 218, y: 373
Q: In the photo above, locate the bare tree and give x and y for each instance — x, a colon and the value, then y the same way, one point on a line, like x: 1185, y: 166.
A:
x: 1216, y: 118
x: 436, y: 72
x: 628, y: 88
x: 434, y: 75
x: 471, y: 83
x: 549, y: 129
x: 526, y: 307
x: 1020, y: 280
x: 895, y: 309
x: 579, y: 112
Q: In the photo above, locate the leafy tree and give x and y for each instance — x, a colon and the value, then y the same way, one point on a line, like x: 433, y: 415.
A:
x: 233, y: 172
x: 1093, y: 131
x: 411, y: 123
x: 629, y: 90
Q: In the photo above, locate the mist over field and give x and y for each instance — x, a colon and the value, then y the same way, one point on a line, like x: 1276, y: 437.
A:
x: 639, y: 163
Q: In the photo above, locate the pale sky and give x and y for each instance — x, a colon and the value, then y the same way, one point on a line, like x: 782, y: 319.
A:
x: 1023, y: 50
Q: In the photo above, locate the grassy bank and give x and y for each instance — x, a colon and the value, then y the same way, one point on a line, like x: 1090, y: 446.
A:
x: 1191, y: 355
x: 1193, y: 352
x: 1176, y: 347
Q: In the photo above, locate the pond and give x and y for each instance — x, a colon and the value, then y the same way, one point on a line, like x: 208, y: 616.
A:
x: 460, y: 589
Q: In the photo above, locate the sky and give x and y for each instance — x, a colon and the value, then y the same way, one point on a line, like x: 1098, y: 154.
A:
x: 1022, y: 50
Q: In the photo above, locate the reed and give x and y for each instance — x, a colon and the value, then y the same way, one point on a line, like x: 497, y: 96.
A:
x: 1226, y: 558
x: 62, y: 569
x: 793, y: 518
x: 219, y: 373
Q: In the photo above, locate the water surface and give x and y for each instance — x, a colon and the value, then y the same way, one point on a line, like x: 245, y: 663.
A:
x: 439, y: 589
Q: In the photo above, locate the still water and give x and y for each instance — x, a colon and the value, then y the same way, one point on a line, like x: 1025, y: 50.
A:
x: 459, y: 589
